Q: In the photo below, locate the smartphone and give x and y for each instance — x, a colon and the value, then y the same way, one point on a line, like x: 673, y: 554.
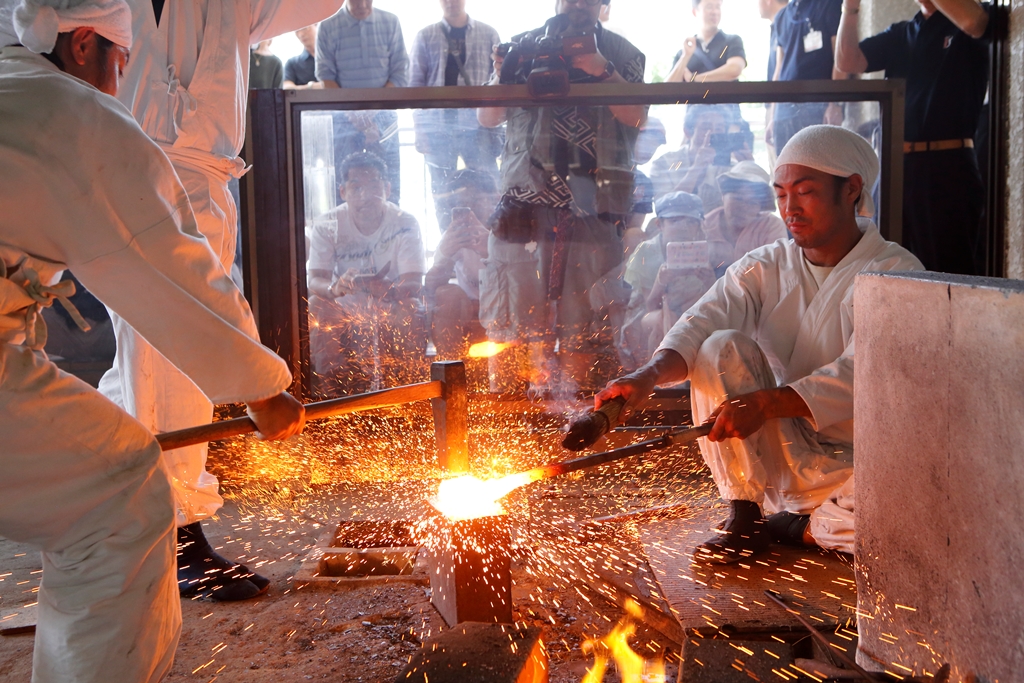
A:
x: 462, y: 215
x: 683, y: 255
x: 724, y: 145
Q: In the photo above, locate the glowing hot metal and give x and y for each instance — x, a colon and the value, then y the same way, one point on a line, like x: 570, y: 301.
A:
x: 468, y: 497
x: 487, y: 349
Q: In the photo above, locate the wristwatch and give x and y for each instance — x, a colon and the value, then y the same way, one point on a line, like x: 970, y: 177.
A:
x: 609, y: 71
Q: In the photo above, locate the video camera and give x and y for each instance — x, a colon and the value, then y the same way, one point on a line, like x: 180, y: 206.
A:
x: 543, y: 61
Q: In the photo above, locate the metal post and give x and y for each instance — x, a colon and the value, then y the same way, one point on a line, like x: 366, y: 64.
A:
x: 451, y: 416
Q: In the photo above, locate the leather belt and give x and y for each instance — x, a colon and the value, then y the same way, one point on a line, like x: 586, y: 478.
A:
x: 937, y: 146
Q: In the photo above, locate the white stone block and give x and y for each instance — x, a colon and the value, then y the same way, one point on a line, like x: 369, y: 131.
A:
x: 939, y: 438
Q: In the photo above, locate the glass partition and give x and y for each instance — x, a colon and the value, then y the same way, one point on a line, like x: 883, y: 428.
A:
x: 550, y: 245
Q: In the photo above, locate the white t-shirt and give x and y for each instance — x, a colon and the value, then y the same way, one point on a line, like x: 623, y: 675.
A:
x: 337, y: 246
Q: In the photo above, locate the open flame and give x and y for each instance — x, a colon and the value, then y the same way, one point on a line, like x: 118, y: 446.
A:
x: 468, y: 497
x: 487, y: 349
x: 614, y: 647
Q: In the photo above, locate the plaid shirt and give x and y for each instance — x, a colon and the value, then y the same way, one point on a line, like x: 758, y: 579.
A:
x: 362, y: 54
x: 430, y: 54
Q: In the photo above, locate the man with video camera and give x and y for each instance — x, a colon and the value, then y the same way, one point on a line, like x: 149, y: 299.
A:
x: 567, y: 189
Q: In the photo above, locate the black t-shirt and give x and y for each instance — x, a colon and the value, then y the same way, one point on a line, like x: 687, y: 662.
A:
x: 715, y: 54
x: 457, y: 44
x: 300, y: 70
x: 158, y: 9
x: 796, y: 25
x: 946, y: 72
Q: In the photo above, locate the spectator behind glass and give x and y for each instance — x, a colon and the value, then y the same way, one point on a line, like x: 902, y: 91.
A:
x: 695, y: 167
x: 744, y: 222
x: 711, y: 56
x: 454, y: 51
x: 567, y: 183
x: 469, y: 197
x: 769, y: 9
x: 363, y: 47
x: 265, y: 70
x: 660, y: 291
x: 806, y: 31
x: 300, y: 71
x: 366, y: 266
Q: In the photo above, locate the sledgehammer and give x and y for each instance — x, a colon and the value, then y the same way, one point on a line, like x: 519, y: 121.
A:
x: 314, y: 411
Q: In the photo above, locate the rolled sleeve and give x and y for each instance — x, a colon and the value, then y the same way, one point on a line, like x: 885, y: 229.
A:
x: 879, y: 49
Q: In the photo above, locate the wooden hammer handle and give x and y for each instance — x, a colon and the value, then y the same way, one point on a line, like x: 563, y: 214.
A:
x: 226, y: 429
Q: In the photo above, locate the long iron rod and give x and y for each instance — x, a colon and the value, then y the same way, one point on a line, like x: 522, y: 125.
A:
x: 666, y: 440
x: 314, y: 411
x: 774, y: 597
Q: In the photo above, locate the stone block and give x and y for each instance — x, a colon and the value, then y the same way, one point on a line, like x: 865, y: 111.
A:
x: 939, y: 430
x: 470, y: 564
x: 480, y: 653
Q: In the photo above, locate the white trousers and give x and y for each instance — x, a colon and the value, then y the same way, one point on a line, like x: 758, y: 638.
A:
x: 149, y: 387
x: 81, y: 480
x: 782, y: 466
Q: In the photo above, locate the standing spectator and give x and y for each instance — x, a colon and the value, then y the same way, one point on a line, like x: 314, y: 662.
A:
x: 567, y: 183
x: 806, y: 32
x: 265, y: 70
x: 943, y: 53
x: 769, y: 11
x: 454, y: 51
x: 300, y: 71
x: 363, y: 47
x: 711, y: 56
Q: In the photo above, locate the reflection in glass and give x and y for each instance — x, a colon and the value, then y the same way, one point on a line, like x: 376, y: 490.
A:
x: 572, y: 248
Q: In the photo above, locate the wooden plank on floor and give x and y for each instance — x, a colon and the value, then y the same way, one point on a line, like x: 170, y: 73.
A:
x: 17, y: 621
x: 709, y: 597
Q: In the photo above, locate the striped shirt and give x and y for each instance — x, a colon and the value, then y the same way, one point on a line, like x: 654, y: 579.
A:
x: 362, y: 54
x: 430, y: 54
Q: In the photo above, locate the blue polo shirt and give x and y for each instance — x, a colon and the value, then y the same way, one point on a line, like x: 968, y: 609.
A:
x: 946, y: 72
x: 793, y: 24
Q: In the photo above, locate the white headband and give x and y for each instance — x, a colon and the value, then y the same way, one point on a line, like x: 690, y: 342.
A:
x: 38, y: 22
x: 836, y: 151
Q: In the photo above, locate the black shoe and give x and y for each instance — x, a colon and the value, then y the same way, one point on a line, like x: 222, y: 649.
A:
x: 204, y: 573
x: 787, y: 528
x: 743, y: 536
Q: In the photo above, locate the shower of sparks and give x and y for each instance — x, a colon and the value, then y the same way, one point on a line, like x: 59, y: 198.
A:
x: 382, y: 465
x: 487, y: 349
x: 469, y: 497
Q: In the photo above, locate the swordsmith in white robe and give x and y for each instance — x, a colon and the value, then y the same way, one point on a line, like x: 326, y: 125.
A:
x: 766, y: 323
x: 83, y: 188
x: 186, y: 84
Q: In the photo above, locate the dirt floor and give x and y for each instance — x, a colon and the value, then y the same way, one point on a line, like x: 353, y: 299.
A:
x: 281, y: 500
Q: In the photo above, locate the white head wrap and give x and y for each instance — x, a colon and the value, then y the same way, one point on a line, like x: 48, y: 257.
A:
x: 836, y: 151
x: 37, y: 22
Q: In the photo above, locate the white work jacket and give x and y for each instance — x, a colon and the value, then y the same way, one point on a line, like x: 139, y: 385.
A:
x: 188, y: 77
x: 805, y: 332
x: 82, y: 186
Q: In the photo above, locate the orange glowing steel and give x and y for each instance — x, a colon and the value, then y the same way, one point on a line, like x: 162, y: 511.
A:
x: 487, y: 349
x: 615, y: 647
x: 468, y: 497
